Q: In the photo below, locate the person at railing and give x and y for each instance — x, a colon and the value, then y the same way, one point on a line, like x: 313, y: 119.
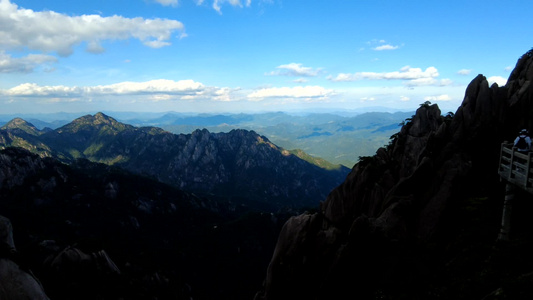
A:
x: 522, y: 143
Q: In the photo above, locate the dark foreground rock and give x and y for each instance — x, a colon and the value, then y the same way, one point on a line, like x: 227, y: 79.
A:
x: 16, y: 283
x: 91, y: 231
x: 420, y: 218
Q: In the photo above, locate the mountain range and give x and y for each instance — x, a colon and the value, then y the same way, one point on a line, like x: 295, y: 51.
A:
x: 340, y: 138
x: 244, y: 168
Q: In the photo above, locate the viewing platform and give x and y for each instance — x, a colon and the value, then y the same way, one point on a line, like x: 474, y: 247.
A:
x: 515, y: 167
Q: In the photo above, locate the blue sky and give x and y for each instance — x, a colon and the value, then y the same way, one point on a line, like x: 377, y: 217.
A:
x: 252, y: 55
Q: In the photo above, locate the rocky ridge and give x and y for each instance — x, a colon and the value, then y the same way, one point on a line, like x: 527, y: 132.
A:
x: 240, y: 165
x: 406, y: 220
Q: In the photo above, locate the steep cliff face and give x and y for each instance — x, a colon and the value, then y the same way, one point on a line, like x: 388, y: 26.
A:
x: 398, y: 217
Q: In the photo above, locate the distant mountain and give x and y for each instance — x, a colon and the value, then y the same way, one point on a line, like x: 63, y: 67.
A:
x: 21, y: 125
x: 241, y: 164
x: 338, y: 137
x: 19, y: 133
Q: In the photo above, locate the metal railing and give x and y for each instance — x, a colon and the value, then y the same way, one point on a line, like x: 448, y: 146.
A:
x: 515, y: 167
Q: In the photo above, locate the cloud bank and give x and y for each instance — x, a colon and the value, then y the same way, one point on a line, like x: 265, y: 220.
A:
x: 307, y: 92
x: 160, y: 89
x: 411, y: 76
x: 27, y: 64
x: 294, y: 69
x: 49, y: 31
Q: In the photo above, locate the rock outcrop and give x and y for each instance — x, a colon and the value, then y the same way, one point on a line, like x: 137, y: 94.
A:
x: 92, y: 231
x: 15, y: 282
x: 395, y: 220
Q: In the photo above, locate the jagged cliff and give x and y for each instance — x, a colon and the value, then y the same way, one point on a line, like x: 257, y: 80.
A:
x: 407, y: 219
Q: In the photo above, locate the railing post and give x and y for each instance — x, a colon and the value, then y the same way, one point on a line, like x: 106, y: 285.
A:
x: 501, y: 153
x: 528, y: 169
x: 506, y: 215
x: 511, y: 165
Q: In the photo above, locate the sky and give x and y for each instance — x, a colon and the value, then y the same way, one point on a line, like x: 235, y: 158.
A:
x: 242, y: 56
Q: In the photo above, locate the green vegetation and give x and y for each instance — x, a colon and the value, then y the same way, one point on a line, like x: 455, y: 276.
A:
x: 426, y: 104
x: 75, y: 153
x: 93, y: 149
x: 335, y: 138
x: 324, y: 164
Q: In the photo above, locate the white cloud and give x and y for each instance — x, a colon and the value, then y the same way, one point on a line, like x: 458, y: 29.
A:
x: 385, y: 47
x: 404, y: 98
x: 381, y: 45
x: 153, y: 90
x: 153, y: 86
x: 160, y: 86
x: 428, y: 81
x: 217, y: 3
x: 508, y: 68
x: 364, y: 99
x: 95, y: 48
x: 224, y: 94
x: 291, y: 92
x: 411, y: 76
x: 294, y: 69
x: 300, y: 80
x: 405, y: 73
x: 34, y: 90
x: 497, y: 79
x: 464, y: 72
x: 438, y: 98
x: 50, y: 31
x: 27, y: 64
x: 167, y: 2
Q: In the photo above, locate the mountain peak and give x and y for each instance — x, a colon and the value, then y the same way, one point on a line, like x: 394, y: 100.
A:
x: 21, y: 124
x: 98, y: 121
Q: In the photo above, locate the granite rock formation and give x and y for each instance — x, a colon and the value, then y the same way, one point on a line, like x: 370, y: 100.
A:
x: 399, y: 218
